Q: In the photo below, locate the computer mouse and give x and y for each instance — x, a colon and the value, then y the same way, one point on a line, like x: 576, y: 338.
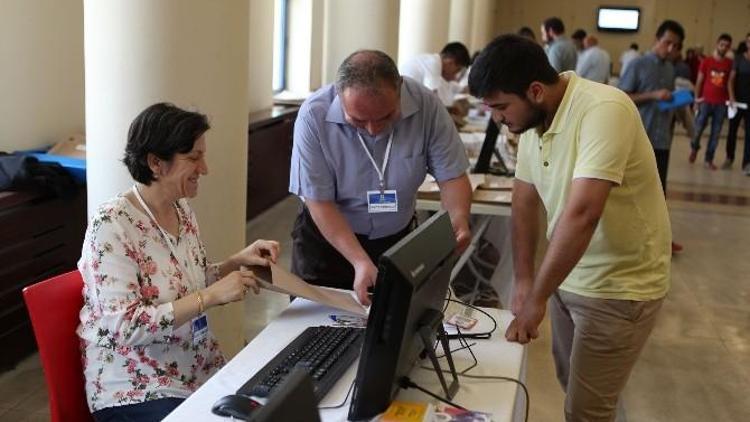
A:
x: 235, y: 405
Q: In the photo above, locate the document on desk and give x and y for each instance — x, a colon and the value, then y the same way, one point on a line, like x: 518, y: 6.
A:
x: 493, y: 196
x: 279, y: 280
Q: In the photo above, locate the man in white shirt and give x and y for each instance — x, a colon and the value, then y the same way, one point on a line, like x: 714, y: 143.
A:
x: 628, y: 56
x: 440, y: 73
x: 594, y: 62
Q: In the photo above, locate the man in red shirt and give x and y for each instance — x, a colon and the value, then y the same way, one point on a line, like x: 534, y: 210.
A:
x: 711, y: 95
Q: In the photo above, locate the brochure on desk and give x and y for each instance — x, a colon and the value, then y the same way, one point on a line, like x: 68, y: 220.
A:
x: 279, y: 280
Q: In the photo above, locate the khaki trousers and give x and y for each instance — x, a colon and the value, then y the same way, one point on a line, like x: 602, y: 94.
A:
x: 595, y: 344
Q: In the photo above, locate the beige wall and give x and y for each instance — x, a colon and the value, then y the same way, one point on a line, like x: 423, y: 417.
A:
x: 41, y: 72
x: 379, y: 30
x: 703, y: 20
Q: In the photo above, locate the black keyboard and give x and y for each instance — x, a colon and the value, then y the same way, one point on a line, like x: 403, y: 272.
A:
x: 324, y: 352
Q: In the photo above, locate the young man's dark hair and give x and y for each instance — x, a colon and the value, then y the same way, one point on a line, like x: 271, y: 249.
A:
x: 458, y: 52
x: 510, y: 63
x: 725, y: 37
x: 555, y: 24
x: 634, y: 46
x: 672, y: 26
x: 579, y: 34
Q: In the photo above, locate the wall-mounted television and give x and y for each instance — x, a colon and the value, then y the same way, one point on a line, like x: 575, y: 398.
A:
x: 618, y: 19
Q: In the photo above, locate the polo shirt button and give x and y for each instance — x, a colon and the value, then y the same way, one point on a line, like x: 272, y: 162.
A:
x: 546, y: 164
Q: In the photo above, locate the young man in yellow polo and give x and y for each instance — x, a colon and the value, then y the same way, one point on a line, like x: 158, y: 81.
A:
x: 585, y: 161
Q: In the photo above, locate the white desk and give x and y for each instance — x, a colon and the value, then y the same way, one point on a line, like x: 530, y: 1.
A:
x: 505, y: 400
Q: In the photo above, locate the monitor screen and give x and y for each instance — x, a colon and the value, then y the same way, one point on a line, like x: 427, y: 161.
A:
x: 413, y: 278
x: 618, y: 19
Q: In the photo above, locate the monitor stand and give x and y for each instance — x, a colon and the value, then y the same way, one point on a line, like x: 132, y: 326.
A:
x: 432, y: 322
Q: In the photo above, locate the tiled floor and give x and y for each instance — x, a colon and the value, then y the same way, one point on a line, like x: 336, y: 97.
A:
x: 695, y: 367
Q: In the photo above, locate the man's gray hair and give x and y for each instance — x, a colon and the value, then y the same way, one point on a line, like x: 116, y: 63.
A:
x: 367, y: 69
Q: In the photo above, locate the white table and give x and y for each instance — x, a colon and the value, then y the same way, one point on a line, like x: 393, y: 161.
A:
x: 496, y: 356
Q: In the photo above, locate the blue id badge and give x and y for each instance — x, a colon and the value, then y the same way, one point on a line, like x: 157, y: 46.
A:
x: 199, y: 328
x: 382, y: 201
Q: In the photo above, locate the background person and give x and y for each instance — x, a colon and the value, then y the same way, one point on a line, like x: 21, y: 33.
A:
x: 594, y: 63
x: 627, y: 56
x: 648, y: 80
x: 561, y: 51
x: 739, y: 91
x: 440, y: 73
x: 145, y: 338
x: 711, y: 96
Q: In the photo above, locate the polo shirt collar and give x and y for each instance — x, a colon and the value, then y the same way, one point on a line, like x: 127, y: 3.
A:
x: 409, y: 106
x: 563, y: 110
x: 652, y: 56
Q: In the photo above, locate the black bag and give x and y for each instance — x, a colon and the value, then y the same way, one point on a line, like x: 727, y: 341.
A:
x: 23, y: 172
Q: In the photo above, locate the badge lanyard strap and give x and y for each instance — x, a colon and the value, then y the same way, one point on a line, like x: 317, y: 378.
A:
x: 188, y: 271
x: 381, y: 172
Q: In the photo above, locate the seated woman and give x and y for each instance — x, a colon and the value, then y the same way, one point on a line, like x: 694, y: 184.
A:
x: 147, y: 282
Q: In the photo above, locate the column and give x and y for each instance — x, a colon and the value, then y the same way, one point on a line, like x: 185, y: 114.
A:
x: 483, y: 27
x: 461, y: 20
x: 351, y: 25
x: 260, y: 47
x: 423, y: 27
x: 192, y: 53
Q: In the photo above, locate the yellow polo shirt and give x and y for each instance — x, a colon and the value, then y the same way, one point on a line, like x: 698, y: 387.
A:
x: 597, y: 133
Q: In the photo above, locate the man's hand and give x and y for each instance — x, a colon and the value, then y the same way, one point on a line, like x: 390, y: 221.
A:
x: 525, y: 327
x: 521, y: 290
x: 365, y: 274
x: 662, y: 95
x: 463, y: 235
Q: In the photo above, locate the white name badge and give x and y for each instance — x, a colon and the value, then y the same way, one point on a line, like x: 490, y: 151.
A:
x: 385, y: 201
x: 199, y: 327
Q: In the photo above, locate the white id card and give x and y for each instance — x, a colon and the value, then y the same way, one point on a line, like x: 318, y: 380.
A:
x: 199, y: 328
x: 385, y: 201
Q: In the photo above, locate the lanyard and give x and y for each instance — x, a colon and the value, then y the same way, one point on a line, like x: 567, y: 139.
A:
x: 381, y: 172
x: 188, y: 271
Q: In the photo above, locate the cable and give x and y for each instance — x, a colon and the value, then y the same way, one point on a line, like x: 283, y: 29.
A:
x: 462, y: 338
x: 340, y: 405
x: 478, y: 336
x: 405, y: 382
x: 464, y: 374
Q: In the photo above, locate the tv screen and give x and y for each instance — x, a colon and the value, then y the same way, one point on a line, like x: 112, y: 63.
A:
x: 618, y: 19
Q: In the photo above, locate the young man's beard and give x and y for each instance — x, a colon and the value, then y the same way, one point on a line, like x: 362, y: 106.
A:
x: 536, y: 118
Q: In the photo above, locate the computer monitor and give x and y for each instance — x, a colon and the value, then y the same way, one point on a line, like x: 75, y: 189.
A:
x: 293, y: 401
x: 413, y: 278
x: 484, y: 161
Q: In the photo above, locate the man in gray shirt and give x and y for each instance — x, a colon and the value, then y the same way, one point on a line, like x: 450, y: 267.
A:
x: 362, y: 147
x: 561, y: 51
x: 594, y: 62
x: 649, y: 79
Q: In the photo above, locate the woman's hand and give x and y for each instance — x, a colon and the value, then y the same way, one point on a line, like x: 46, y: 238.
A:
x: 260, y: 252
x: 231, y: 288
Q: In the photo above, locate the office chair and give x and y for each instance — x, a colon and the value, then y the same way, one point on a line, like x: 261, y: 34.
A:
x: 53, y: 306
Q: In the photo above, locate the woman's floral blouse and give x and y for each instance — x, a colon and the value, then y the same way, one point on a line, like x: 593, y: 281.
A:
x: 132, y: 352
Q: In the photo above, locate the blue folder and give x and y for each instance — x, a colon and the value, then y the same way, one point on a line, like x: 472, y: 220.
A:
x: 680, y: 98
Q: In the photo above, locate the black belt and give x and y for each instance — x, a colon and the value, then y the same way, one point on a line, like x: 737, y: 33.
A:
x: 318, y: 262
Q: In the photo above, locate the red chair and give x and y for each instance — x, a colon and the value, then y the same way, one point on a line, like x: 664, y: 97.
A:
x: 54, y: 305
